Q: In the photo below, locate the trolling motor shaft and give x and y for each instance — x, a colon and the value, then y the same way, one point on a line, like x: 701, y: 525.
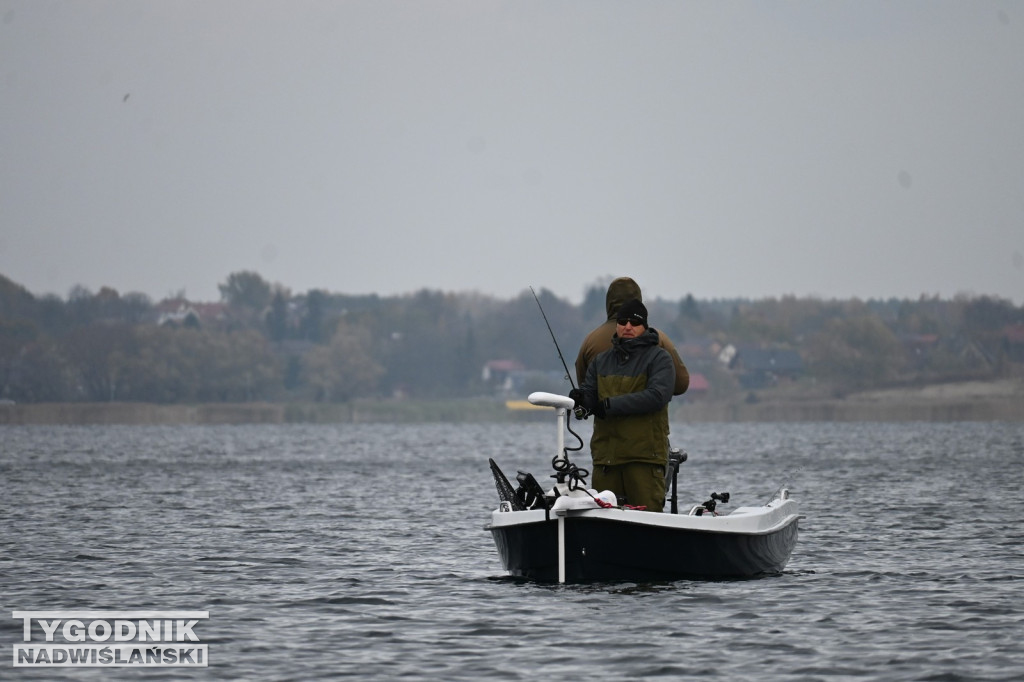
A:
x: 675, y: 458
x: 566, y: 473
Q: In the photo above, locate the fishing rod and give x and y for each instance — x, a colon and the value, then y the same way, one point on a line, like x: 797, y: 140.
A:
x: 568, y: 375
x: 564, y: 469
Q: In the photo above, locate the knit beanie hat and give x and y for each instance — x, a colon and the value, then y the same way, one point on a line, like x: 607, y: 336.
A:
x: 634, y: 311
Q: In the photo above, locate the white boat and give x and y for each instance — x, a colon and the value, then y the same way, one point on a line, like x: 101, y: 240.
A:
x: 572, y: 534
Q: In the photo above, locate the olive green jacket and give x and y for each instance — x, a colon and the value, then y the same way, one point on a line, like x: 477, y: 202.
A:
x: 600, y: 339
x: 633, y: 381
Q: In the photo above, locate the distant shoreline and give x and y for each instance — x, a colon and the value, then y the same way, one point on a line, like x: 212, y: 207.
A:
x: 968, y: 401
x: 999, y: 400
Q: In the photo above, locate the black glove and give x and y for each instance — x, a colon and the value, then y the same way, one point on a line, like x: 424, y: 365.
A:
x: 599, y: 409
x: 577, y: 396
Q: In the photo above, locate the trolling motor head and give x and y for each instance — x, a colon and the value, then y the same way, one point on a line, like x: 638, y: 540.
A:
x: 545, y: 399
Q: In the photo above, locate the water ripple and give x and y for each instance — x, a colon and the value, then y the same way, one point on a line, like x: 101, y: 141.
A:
x: 357, y: 551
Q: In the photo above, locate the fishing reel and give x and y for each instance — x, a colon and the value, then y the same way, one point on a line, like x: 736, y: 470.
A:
x: 578, y: 410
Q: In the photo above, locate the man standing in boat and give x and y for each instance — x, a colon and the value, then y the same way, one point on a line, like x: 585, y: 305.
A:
x: 627, y: 388
x: 599, y: 340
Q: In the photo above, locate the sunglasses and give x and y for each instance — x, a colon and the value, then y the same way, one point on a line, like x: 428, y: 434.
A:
x: 635, y: 321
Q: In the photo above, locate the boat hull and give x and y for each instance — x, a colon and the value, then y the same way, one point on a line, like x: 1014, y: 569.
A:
x: 613, y: 545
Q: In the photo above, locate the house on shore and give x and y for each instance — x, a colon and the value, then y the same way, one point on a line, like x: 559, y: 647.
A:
x: 764, y: 367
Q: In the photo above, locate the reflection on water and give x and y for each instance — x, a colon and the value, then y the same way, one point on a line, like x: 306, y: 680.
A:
x: 359, y: 551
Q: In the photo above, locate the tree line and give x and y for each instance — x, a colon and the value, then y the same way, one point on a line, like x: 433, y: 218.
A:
x: 261, y: 342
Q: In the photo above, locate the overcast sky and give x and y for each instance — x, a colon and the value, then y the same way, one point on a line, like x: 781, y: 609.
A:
x: 758, y: 149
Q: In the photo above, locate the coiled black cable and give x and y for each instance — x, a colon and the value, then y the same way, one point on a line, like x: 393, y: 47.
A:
x: 567, y: 471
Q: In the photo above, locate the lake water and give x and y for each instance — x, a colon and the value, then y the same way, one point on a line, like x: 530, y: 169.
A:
x: 359, y: 552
